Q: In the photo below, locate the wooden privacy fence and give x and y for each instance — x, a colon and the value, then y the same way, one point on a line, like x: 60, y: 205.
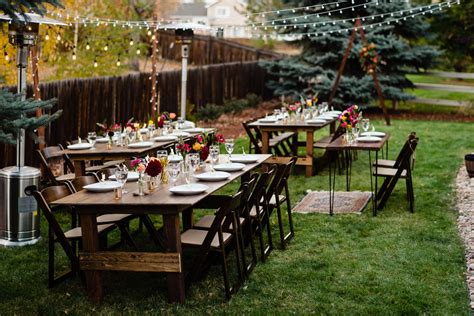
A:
x: 116, y: 99
x: 206, y: 50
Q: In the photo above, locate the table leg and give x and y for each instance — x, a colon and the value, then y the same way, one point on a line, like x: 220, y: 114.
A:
x: 374, y: 197
x: 376, y: 179
x: 265, y: 142
x: 79, y: 168
x: 90, y: 243
x: 332, y: 183
x: 188, y: 218
x: 309, y: 152
x: 175, y: 280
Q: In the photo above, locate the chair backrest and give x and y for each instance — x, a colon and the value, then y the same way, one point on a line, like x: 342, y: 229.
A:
x: 261, y: 186
x: 54, y: 162
x: 254, y: 139
x: 339, y: 131
x: 79, y: 182
x: 247, y: 188
x: 406, y: 150
x: 44, y: 199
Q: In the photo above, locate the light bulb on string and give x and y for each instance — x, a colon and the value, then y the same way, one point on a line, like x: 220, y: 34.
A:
x: 74, y: 56
x: 118, y: 61
x: 7, y: 57
x: 131, y: 41
x: 58, y: 37
x: 149, y: 33
x: 138, y: 51
x: 106, y: 47
x: 88, y: 46
x: 95, y: 63
x: 46, y: 37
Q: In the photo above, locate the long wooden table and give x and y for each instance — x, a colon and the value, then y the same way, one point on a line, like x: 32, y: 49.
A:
x: 338, y: 145
x: 300, y: 126
x: 100, y: 153
x: 93, y: 260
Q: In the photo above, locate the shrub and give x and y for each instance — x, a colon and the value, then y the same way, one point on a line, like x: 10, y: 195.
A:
x: 209, y: 112
x: 253, y: 99
x: 235, y: 106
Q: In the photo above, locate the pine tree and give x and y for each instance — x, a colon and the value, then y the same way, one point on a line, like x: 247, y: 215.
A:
x: 15, y: 113
x: 314, y: 70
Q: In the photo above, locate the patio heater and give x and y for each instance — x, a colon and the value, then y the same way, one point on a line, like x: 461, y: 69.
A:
x: 184, y: 33
x: 19, y: 217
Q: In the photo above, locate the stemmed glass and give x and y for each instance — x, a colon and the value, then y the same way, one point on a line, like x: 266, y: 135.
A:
x: 92, y: 137
x: 194, y: 160
x: 229, y: 146
x: 131, y: 136
x: 121, y: 175
x: 173, y: 171
x: 214, y: 154
x: 365, y: 124
x: 276, y: 113
x: 166, y: 127
x: 180, y: 122
x: 118, y: 134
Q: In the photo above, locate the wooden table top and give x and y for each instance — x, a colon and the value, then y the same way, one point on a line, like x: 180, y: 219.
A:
x: 161, y: 197
x: 286, y: 124
x: 339, y: 144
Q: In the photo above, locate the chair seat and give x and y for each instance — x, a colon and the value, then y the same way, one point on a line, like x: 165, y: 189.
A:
x: 388, y: 172
x: 206, y: 222
x: 113, y: 218
x: 385, y: 163
x: 76, y: 233
x: 195, y: 237
x: 66, y: 177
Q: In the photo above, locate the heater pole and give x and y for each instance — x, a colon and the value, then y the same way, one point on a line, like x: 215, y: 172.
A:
x: 184, y: 78
x: 22, y: 64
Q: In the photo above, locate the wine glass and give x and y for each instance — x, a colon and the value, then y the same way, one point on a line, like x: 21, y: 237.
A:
x: 166, y: 127
x: 173, y: 171
x: 194, y: 161
x: 229, y: 146
x: 92, y: 137
x: 151, y: 130
x: 365, y: 124
x: 118, y: 134
x: 214, y: 154
x: 180, y: 122
x: 121, y: 175
x: 276, y: 113
x: 132, y: 135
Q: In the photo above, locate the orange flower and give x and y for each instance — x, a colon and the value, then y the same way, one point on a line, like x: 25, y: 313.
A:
x: 172, y: 115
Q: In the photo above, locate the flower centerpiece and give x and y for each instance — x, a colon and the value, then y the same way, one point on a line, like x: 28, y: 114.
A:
x: 182, y: 148
x: 150, y: 166
x: 202, y: 144
x: 350, y: 117
x: 166, y: 116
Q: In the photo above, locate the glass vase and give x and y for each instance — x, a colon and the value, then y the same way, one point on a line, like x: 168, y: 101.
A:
x: 141, y: 184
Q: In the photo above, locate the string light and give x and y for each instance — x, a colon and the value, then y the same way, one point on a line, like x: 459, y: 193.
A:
x: 95, y: 62
x: 131, y: 41
x: 138, y: 51
x: 7, y: 58
x: 118, y: 61
x: 58, y: 37
x: 46, y: 37
x: 88, y: 46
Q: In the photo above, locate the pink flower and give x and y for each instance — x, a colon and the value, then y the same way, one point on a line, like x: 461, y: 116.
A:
x: 135, y: 162
x: 141, y: 168
x: 199, y: 138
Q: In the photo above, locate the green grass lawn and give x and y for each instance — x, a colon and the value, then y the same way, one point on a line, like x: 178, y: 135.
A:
x: 395, y: 263
x: 434, y: 94
x: 439, y: 80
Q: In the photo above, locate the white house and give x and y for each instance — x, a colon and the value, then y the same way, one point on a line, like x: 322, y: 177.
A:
x: 225, y: 15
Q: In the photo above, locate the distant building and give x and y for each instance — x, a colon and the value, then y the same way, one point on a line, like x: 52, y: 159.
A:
x: 222, y: 15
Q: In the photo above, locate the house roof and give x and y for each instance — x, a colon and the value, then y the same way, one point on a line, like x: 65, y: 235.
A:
x: 241, y: 2
x: 191, y: 9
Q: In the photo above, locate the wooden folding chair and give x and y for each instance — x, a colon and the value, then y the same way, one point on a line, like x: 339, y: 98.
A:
x: 259, y: 211
x: 121, y: 220
x: 325, y: 141
x: 277, y: 194
x: 55, y: 167
x: 218, y: 239
x: 67, y: 239
x: 401, y: 169
x: 244, y: 222
x: 279, y: 144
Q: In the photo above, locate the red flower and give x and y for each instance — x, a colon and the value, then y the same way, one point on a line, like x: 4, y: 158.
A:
x: 204, y: 153
x: 153, y: 168
x: 135, y: 162
x: 220, y: 138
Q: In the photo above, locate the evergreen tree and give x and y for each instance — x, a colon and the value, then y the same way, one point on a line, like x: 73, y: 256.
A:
x: 15, y: 113
x: 315, y: 69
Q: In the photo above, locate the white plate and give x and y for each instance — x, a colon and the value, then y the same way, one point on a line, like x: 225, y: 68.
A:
x: 144, y: 130
x: 379, y: 134
x: 189, y: 189
x: 195, y: 130
x: 229, y: 167
x: 213, y: 176
x: 186, y: 124
x: 80, y: 146
x: 334, y: 112
x: 325, y: 117
x: 316, y: 121
x: 180, y: 133
x: 105, y: 186
x: 165, y: 138
x: 175, y: 158
x: 334, y: 115
x: 243, y: 158
x: 267, y: 120
x: 140, y: 145
x: 369, y: 139
x: 132, y: 176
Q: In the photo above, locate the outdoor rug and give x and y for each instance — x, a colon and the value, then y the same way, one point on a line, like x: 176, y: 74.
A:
x: 344, y: 202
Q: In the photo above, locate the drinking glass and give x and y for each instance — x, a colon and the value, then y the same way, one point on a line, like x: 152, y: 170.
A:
x: 214, y: 154
x: 132, y: 135
x: 166, y: 127
x: 173, y: 171
x: 187, y: 170
x: 276, y: 113
x: 180, y: 122
x: 121, y: 174
x: 118, y: 134
x: 161, y: 154
x: 151, y: 130
x: 355, y: 133
x: 92, y: 137
x: 194, y: 161
x: 229, y: 146
x: 365, y: 124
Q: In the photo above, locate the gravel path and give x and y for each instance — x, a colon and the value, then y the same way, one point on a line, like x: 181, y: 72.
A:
x: 465, y: 206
